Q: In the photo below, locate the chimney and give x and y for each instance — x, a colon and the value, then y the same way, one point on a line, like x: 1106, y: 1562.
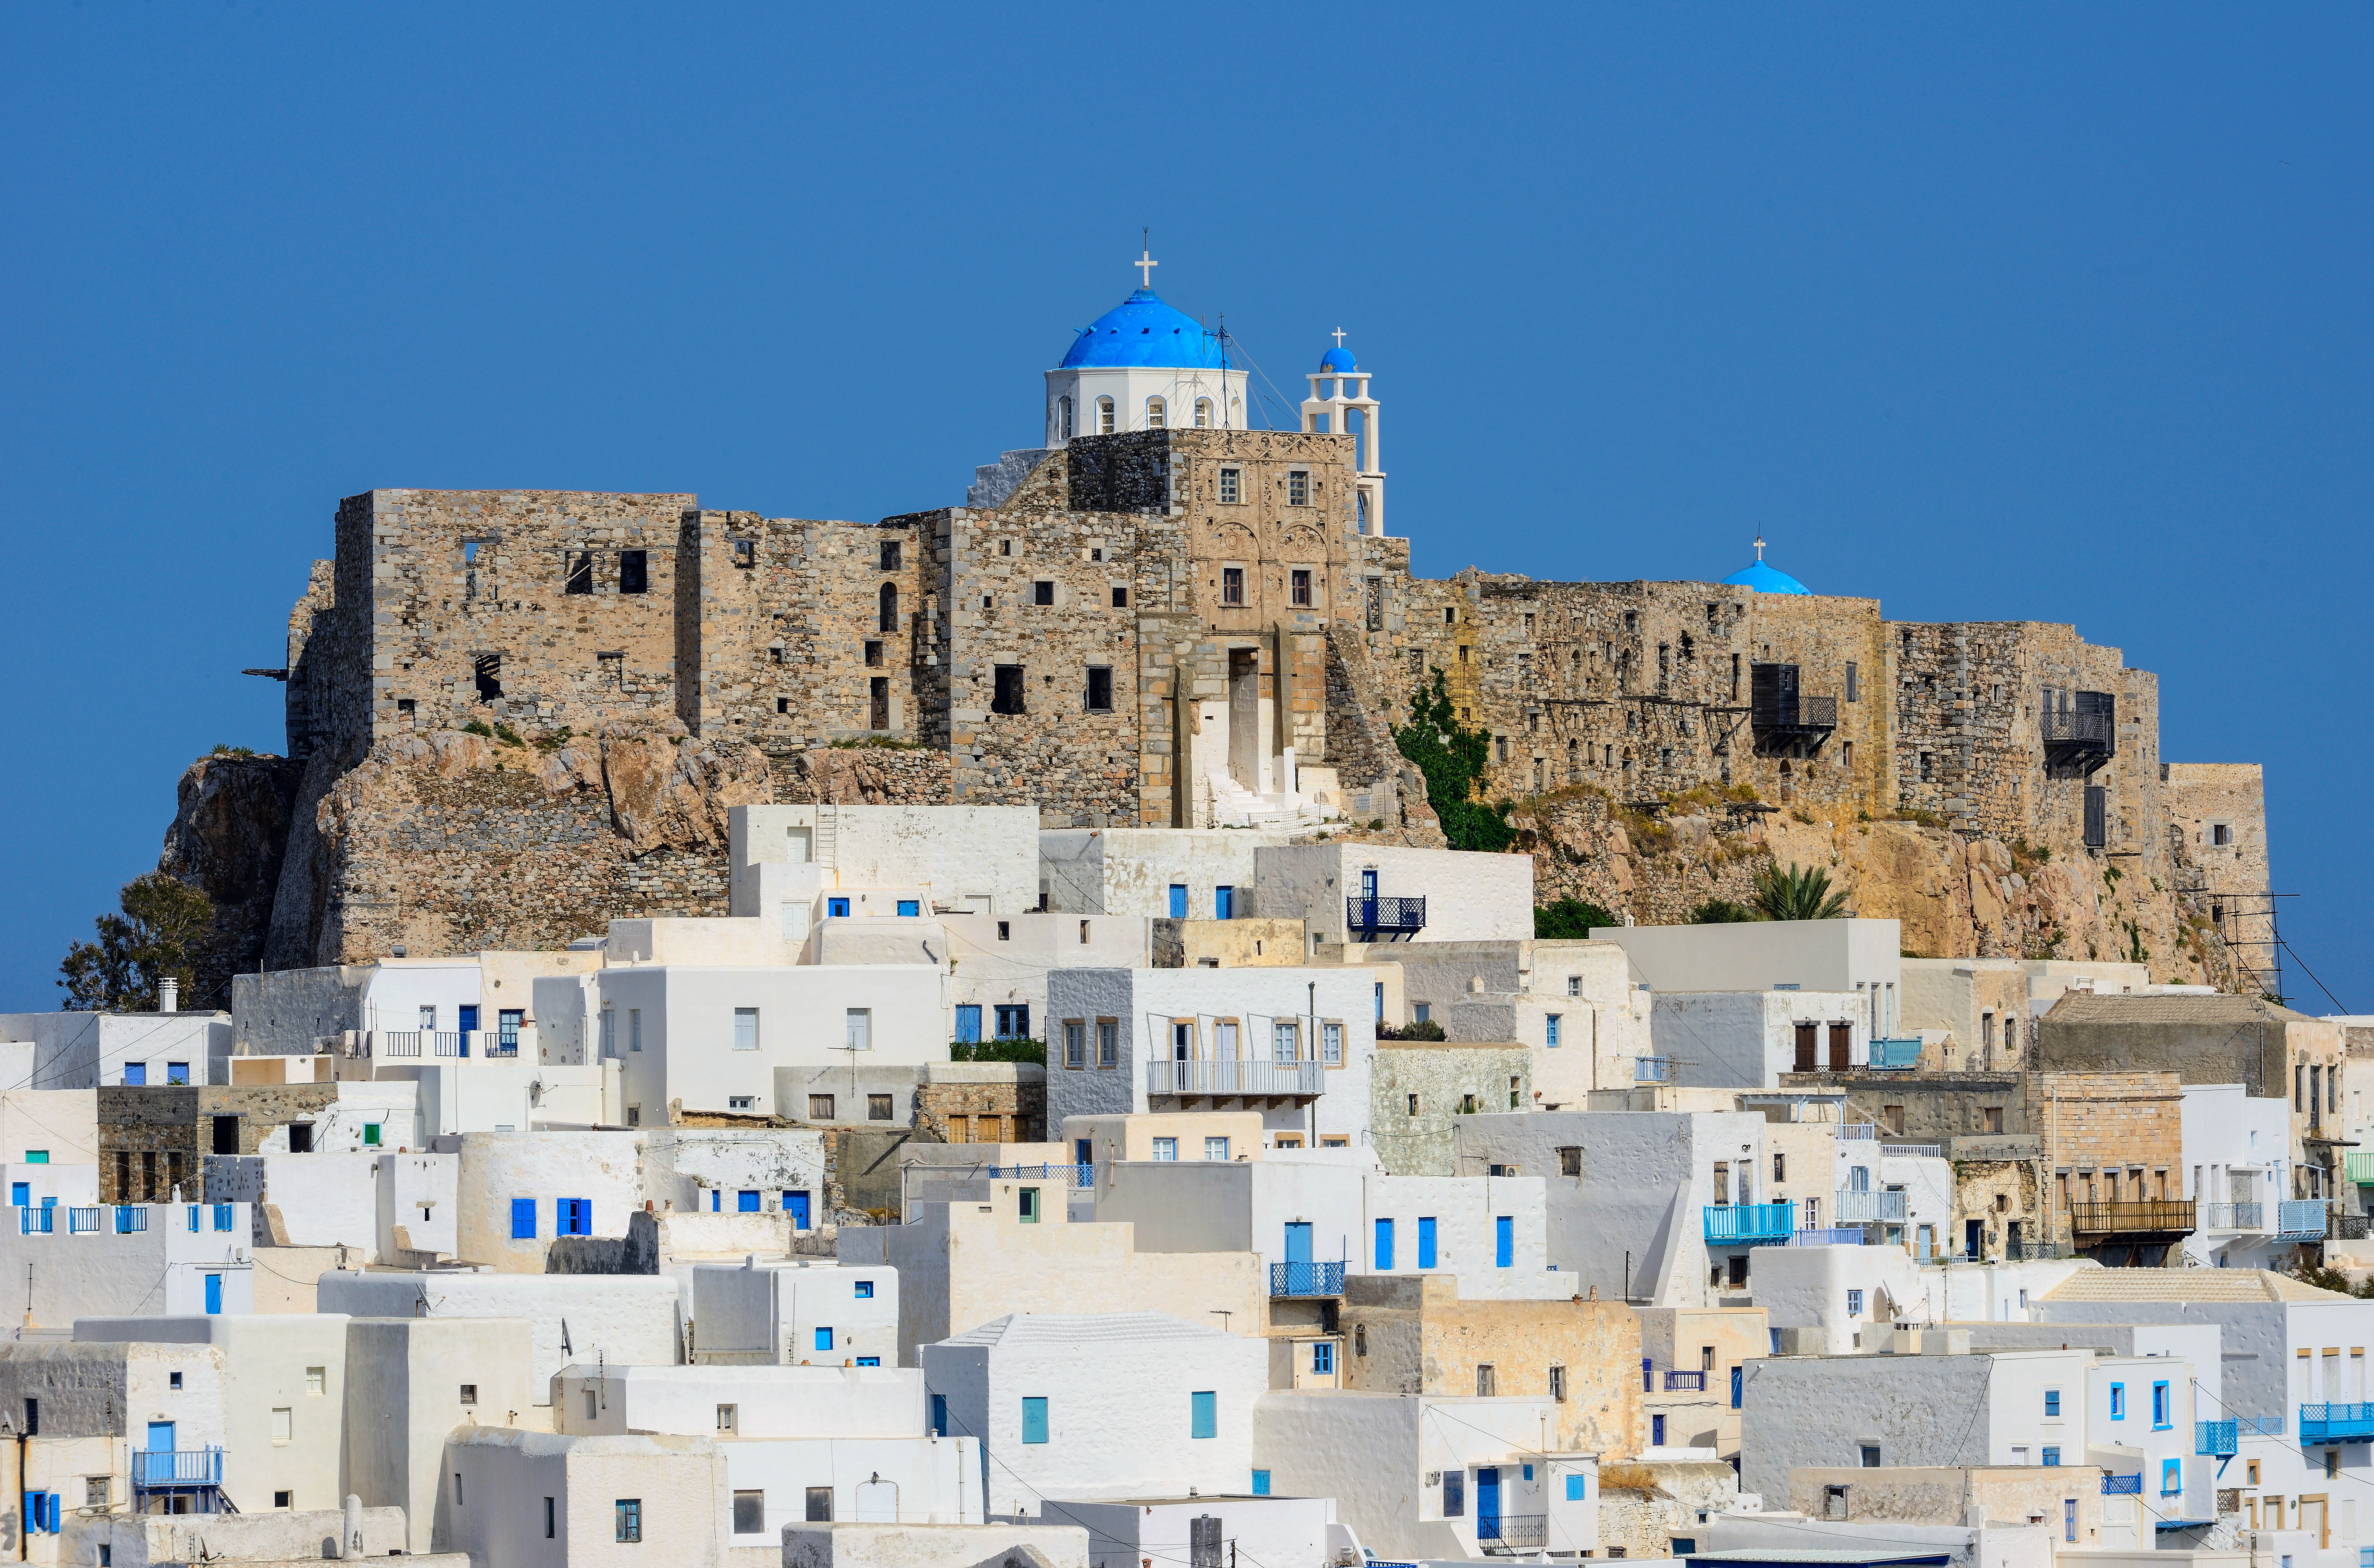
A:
x: 168, y: 995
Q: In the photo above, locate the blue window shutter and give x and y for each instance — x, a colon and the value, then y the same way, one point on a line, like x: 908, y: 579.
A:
x: 969, y: 1023
x: 1204, y: 1414
x: 1574, y: 1490
x: 747, y: 1202
x: 939, y: 1415
x: 1504, y: 1241
x: 1738, y: 1379
x: 824, y: 1339
x: 1034, y: 1420
x: 1384, y: 1245
x: 1178, y: 900
x: 1657, y: 1431
x: 1425, y: 1241
x: 523, y: 1219
x: 1261, y: 1484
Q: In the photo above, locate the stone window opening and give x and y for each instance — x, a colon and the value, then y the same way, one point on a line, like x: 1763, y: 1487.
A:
x: 1664, y: 665
x: 1734, y: 677
x: 634, y: 571
x: 488, y: 669
x: 1232, y: 585
x: 1631, y: 620
x: 580, y: 572
x: 1846, y: 759
x: 1451, y: 614
x: 1006, y: 546
x: 1854, y: 686
x: 1121, y: 597
x: 889, y: 606
x: 1202, y: 413
x: 1104, y: 416
x: 1008, y: 697
x: 745, y: 553
x: 1156, y: 412
x: 1928, y: 767
x: 1100, y: 701
x: 1297, y: 487
x: 1232, y: 487
x: 404, y: 705
x: 1714, y: 617
x: 873, y: 651
x: 890, y: 555
x: 878, y: 703
x: 1043, y: 592
x: 1301, y: 579
x: 470, y: 552
x: 782, y: 705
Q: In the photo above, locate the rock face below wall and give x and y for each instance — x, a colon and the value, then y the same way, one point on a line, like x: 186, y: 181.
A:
x: 1954, y: 895
x: 229, y: 831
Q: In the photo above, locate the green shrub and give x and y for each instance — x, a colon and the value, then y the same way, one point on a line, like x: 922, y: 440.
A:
x: 1569, y: 919
x: 1453, y: 759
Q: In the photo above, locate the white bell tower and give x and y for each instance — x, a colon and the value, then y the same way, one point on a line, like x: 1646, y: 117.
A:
x: 1339, y: 404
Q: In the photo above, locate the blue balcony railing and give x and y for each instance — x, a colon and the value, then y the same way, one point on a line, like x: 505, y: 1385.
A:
x: 2336, y: 1423
x: 1077, y: 1176
x: 1690, y: 1379
x: 1652, y: 1068
x: 79, y: 1219
x: 1395, y: 917
x: 1736, y: 1224
x: 1306, y: 1279
x: 2258, y: 1426
x: 1832, y: 1235
x: 2123, y: 1486
x: 2215, y: 1439
x: 130, y: 1217
x: 1865, y: 1207
x: 189, y: 1466
x: 36, y: 1222
x: 1896, y: 1056
x: 2300, y: 1219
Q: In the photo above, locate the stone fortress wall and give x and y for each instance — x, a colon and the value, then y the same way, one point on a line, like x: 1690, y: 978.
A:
x: 1114, y: 622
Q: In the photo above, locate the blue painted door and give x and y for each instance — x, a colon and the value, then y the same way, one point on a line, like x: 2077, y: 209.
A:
x: 1368, y: 884
x: 1298, y: 1242
x: 1487, y: 1504
x: 160, y: 1437
x: 1083, y: 1151
x: 1178, y: 900
x: 1426, y: 1242
x: 469, y: 1019
x: 20, y: 1194
x: 969, y: 1023
x: 797, y: 1203
x: 214, y: 1294
x: 1384, y: 1247
x: 1224, y: 903
x: 1504, y: 1241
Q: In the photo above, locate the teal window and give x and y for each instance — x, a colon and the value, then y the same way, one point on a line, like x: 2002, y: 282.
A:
x: 2161, y: 1403
x: 2051, y: 1402
x: 1030, y: 1209
x: 910, y: 907
x: 2171, y: 1477
x: 1260, y: 1488
x: 370, y: 1134
x: 37, y: 1156
x: 1204, y: 1414
x: 835, y: 907
x: 1574, y: 1489
x: 1034, y: 1421
x: 865, y: 1290
x: 2118, y: 1401
x: 1552, y: 1031
x: 824, y: 1339
x: 869, y: 1361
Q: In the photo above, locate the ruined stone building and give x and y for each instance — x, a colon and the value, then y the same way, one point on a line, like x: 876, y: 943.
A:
x: 520, y: 713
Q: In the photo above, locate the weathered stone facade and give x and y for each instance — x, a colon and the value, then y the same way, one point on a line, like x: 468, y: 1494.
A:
x: 1419, y: 1088
x: 152, y: 1139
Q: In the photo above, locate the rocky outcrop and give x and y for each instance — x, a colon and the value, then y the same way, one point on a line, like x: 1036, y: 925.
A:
x: 227, y: 837
x: 1954, y: 895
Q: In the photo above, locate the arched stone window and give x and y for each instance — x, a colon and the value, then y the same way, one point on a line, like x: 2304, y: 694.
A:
x: 1202, y: 413
x: 889, y: 622
x: 1154, y: 413
x: 1104, y: 416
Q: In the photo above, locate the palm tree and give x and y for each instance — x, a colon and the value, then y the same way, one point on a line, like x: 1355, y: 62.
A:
x: 1798, y: 895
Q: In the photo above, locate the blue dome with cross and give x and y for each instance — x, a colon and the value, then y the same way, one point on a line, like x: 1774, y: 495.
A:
x: 1338, y: 359
x: 1143, y: 331
x: 1762, y: 577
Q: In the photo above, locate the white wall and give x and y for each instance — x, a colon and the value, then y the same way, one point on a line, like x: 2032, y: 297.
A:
x: 1130, y: 871
x: 1747, y: 1039
x: 1469, y: 897
x: 1819, y: 956
x: 1119, y: 1402
x: 794, y: 1313
x: 605, y: 1168
x: 959, y: 857
x: 627, y: 1317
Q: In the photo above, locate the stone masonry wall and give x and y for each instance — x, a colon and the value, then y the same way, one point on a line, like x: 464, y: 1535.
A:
x: 2100, y: 1128
x: 151, y: 1138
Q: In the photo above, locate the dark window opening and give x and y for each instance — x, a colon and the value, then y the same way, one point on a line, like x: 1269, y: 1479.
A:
x: 819, y: 1506
x: 1302, y: 588
x: 1008, y: 695
x: 1043, y: 592
x: 878, y: 1108
x: 300, y: 1137
x: 879, y: 700
x: 489, y: 668
x: 750, y: 1508
x: 404, y: 705
x: 888, y: 620
x: 1099, y: 688
x: 745, y: 552
x: 580, y: 572
x: 890, y: 555
x: 1120, y: 599
x: 225, y: 1135
x: 634, y: 571
x: 1232, y: 585
x: 782, y: 705
x: 874, y: 654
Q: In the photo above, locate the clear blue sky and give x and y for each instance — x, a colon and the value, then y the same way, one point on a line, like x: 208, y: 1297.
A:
x: 2036, y: 314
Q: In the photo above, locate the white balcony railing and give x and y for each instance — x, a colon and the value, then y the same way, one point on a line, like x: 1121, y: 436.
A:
x: 1865, y: 1208
x: 1235, y: 1077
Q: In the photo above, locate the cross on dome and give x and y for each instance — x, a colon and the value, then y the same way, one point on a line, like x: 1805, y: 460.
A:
x: 1759, y: 547
x: 1146, y: 264
x: 1339, y: 337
